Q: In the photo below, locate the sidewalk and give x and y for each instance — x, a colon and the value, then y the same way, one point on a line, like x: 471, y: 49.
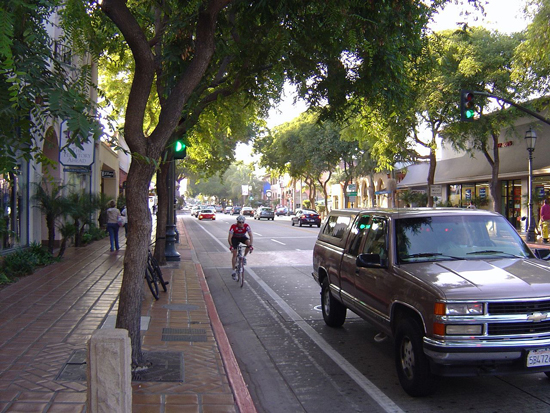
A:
x: 47, y: 318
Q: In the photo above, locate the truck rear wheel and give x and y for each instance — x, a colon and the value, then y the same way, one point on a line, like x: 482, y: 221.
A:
x: 412, y: 365
x: 334, y: 312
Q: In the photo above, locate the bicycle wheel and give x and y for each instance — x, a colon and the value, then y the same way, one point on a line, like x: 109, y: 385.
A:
x: 152, y: 282
x: 240, y: 273
x: 156, y: 267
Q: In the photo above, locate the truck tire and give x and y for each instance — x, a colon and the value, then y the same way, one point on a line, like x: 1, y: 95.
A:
x: 412, y: 365
x: 334, y: 312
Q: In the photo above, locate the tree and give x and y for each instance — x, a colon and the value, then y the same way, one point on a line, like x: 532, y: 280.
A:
x: 38, y: 85
x: 484, y: 62
x: 307, y: 149
x: 182, y: 47
x: 51, y: 202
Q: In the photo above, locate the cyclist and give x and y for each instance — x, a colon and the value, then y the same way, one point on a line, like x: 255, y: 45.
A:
x: 238, y: 234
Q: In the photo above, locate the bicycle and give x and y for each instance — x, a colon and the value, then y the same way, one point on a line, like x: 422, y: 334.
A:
x: 153, y: 275
x: 239, y: 269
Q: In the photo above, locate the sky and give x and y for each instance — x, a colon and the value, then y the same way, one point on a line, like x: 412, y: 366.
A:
x: 503, y: 15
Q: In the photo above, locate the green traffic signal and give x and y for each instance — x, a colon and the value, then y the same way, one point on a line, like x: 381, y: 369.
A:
x: 180, y: 149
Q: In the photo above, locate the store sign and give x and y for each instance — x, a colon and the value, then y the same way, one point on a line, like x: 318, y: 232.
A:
x: 71, y: 155
x: 435, y: 190
x: 483, y: 193
x: 107, y: 174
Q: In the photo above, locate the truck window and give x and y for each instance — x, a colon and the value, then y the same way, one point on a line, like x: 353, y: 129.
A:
x: 360, y: 227
x: 375, y: 242
x: 336, y: 226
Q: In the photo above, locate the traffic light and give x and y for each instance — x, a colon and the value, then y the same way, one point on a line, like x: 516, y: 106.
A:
x: 467, y: 105
x: 180, y: 149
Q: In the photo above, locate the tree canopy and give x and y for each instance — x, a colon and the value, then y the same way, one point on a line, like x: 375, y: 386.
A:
x: 41, y: 80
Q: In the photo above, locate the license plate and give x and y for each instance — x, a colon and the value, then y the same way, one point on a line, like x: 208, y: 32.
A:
x: 537, y: 358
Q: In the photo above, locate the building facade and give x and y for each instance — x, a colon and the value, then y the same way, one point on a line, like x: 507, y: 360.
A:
x: 461, y: 178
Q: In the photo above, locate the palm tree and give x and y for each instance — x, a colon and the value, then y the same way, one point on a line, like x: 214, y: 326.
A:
x: 51, y: 202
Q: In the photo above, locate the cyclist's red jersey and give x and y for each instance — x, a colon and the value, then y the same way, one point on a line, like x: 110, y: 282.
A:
x: 239, y: 232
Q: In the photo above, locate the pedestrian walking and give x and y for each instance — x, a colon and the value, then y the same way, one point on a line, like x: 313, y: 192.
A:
x: 545, y: 219
x: 124, y: 213
x: 112, y: 225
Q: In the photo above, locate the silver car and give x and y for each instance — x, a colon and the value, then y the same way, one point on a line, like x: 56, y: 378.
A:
x: 265, y: 213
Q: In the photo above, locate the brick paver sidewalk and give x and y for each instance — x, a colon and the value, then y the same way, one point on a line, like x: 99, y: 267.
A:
x: 47, y: 318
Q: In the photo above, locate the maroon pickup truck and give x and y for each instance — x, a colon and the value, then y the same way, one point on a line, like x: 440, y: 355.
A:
x: 458, y: 290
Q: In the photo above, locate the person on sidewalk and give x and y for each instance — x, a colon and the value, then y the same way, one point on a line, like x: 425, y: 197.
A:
x: 545, y: 219
x: 238, y: 234
x: 124, y: 213
x: 112, y: 225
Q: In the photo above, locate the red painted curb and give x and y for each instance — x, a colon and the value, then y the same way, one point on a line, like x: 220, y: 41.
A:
x: 236, y: 380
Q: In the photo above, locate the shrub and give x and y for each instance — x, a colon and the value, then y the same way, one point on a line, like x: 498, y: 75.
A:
x: 40, y: 254
x: 94, y: 233
x: 4, y: 279
x: 19, y: 263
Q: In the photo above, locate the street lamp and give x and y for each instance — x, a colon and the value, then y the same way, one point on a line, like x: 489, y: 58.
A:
x: 530, y: 140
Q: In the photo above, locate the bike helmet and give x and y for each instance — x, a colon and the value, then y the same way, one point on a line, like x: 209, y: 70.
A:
x: 241, y: 218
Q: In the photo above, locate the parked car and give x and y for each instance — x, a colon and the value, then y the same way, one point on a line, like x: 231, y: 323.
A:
x: 306, y: 217
x: 236, y: 210
x: 281, y: 211
x: 218, y: 208
x: 227, y: 210
x: 207, y: 214
x: 264, y: 212
x: 457, y: 289
x: 247, y: 211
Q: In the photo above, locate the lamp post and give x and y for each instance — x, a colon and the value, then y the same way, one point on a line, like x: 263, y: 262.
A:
x: 530, y: 141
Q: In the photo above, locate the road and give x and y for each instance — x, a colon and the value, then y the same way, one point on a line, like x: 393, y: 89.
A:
x: 293, y: 362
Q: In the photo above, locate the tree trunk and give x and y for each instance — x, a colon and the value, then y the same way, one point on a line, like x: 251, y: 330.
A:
x: 162, y: 213
x: 431, y: 176
x: 139, y: 221
x: 370, y: 189
x: 494, y: 186
x: 50, y: 223
x: 77, y: 235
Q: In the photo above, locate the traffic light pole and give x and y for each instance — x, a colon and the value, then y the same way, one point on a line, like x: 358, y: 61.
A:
x: 170, y: 248
x: 514, y: 104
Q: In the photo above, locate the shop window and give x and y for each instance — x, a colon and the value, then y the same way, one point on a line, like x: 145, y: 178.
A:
x: 10, y: 230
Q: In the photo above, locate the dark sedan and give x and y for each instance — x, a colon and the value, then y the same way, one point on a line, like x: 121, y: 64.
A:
x: 281, y: 211
x: 306, y: 217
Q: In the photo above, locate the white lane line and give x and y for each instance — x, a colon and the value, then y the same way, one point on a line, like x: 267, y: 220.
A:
x: 278, y: 242
x: 377, y: 395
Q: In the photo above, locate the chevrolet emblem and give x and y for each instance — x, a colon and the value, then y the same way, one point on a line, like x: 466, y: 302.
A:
x: 537, y: 317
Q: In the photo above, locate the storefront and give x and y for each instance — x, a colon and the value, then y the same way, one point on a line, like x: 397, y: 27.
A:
x: 465, y: 178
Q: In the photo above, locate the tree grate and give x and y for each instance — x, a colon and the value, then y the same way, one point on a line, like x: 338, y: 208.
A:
x: 162, y: 366
x: 184, y: 334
